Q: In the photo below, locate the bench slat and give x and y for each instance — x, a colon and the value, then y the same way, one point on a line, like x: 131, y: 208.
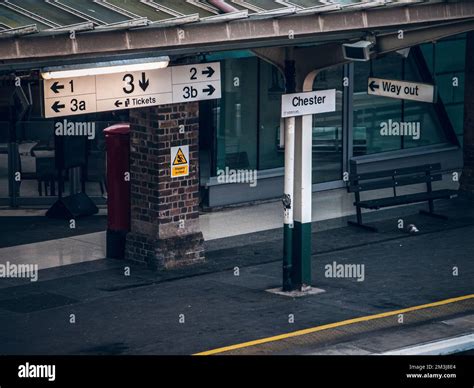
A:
x: 405, y: 199
x: 354, y: 176
x: 399, y: 181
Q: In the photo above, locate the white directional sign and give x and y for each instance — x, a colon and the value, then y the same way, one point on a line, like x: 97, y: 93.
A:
x: 196, y: 82
x: 134, y: 83
x: 135, y: 89
x: 300, y: 104
x: 196, y: 73
x: 401, y: 89
x: 196, y: 91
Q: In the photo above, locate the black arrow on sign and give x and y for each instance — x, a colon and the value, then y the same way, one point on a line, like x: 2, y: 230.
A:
x: 144, y: 82
x: 118, y: 103
x: 55, y: 87
x: 57, y: 106
x: 373, y: 86
x: 209, y: 71
x: 209, y: 90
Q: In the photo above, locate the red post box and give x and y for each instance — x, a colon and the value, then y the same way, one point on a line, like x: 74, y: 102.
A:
x: 117, y: 139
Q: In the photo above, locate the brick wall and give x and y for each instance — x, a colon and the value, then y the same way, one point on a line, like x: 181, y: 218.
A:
x: 467, y: 178
x: 164, y: 211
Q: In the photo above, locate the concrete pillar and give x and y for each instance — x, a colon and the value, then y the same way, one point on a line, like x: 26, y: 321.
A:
x: 164, y: 211
x: 467, y: 178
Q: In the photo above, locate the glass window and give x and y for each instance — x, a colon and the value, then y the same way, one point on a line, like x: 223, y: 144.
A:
x: 370, y: 111
x: 34, y: 145
x: 37, y: 145
x: 36, y: 158
x: 422, y: 114
x: 384, y: 124
x: 236, y: 115
x: 327, y: 130
x: 271, y: 87
x: 4, y: 138
x: 449, y: 67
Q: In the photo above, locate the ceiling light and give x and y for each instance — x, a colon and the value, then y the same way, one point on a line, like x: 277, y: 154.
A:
x: 82, y: 70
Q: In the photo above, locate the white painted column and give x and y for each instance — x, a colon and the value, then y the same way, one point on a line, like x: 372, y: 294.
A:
x: 303, y: 200
x: 288, y: 202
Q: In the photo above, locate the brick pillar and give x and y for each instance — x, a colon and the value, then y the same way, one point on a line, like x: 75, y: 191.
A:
x: 467, y: 178
x: 159, y: 202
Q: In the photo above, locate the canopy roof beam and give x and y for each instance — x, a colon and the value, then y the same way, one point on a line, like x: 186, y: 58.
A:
x: 279, y: 30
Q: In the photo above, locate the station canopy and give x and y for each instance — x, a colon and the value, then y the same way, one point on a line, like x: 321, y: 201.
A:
x: 40, y: 30
x: 53, y: 15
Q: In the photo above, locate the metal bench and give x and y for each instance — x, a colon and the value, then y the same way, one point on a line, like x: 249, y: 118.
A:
x: 362, y: 182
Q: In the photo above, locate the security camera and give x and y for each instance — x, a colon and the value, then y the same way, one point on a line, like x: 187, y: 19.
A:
x: 358, y: 51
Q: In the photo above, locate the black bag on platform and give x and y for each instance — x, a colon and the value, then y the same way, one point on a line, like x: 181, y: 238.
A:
x: 72, y: 206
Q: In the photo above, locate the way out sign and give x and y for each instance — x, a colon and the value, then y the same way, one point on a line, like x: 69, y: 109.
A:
x: 402, y: 90
x: 179, y: 161
x: 300, y: 104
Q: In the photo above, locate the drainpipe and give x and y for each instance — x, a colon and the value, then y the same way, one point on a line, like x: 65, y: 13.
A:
x: 222, y: 6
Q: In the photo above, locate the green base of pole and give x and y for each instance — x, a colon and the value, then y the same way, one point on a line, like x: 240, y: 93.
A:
x: 287, y: 257
x: 301, y: 264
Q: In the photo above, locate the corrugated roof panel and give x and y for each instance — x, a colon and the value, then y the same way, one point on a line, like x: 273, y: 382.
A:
x: 141, y: 9
x: 183, y: 7
x: 14, y: 19
x: 49, y: 12
x: 307, y: 3
x: 345, y: 2
x: 265, y: 4
x: 240, y: 7
x: 95, y: 10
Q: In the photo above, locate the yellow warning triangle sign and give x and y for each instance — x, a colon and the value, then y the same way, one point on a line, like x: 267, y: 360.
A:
x: 179, y: 158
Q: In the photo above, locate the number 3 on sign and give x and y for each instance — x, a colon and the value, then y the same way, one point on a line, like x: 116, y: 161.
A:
x: 129, y: 86
x: 77, y: 105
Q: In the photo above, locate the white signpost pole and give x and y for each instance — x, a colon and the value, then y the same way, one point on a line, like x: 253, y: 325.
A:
x: 298, y: 110
x: 288, y: 201
x: 303, y: 200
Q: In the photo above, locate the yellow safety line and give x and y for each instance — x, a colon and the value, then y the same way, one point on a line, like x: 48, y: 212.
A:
x: 331, y: 326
